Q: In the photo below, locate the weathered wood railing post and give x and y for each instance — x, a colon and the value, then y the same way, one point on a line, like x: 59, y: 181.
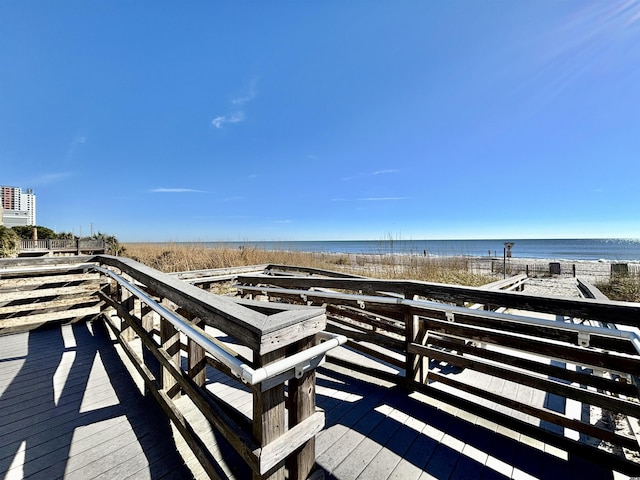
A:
x: 196, y: 359
x: 302, y: 404
x: 170, y: 340
x: 269, y: 414
x: 126, y: 300
x: 417, y: 366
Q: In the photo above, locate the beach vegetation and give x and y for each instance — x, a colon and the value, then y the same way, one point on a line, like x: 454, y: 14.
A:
x: 178, y: 257
x: 113, y: 246
x: 624, y: 288
x: 9, y: 240
x: 26, y: 232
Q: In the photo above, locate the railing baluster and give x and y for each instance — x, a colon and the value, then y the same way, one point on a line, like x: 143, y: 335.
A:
x: 197, y: 359
x: 170, y: 340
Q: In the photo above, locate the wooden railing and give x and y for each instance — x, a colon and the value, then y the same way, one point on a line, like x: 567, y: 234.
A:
x: 420, y: 329
x: 34, y: 292
x: 164, y: 326
x: 62, y: 245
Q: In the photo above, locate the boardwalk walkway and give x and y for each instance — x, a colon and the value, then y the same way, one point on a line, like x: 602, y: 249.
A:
x: 380, y: 432
x: 70, y: 410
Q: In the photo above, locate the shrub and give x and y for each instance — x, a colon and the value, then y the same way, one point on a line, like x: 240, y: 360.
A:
x: 8, y: 242
x: 625, y: 288
x: 26, y: 232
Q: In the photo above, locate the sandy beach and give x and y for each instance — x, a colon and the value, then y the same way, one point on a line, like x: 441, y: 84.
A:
x: 547, y: 277
x: 591, y: 271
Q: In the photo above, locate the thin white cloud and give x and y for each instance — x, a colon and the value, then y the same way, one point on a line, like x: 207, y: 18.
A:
x: 385, y: 171
x: 370, y: 199
x: 175, y: 190
x: 312, y: 157
x: 237, y: 115
x: 282, y: 221
x: 383, y: 199
x: 247, y: 97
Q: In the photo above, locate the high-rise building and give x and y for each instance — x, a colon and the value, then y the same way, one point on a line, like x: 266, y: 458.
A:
x: 28, y: 203
x: 18, y: 208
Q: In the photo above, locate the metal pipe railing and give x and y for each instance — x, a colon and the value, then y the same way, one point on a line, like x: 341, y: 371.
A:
x: 633, y: 337
x: 244, y: 372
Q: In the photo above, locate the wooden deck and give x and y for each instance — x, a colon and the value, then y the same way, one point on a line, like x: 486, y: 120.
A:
x: 381, y: 431
x: 69, y: 409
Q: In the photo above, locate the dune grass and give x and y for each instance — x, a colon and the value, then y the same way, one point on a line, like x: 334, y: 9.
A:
x: 622, y: 287
x: 177, y: 257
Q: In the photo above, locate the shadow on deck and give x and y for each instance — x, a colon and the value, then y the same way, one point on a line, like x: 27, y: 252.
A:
x: 380, y: 432
x: 70, y: 409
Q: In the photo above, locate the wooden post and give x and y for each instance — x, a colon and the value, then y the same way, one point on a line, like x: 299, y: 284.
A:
x: 127, y: 300
x: 170, y: 339
x: 302, y: 404
x: 268, y: 415
x: 417, y: 366
x: 197, y: 360
x: 148, y: 318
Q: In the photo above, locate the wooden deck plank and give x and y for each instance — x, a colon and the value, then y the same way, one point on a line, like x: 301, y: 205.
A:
x: 387, y: 459
x: 360, y: 422
x: 78, y: 418
x: 362, y: 458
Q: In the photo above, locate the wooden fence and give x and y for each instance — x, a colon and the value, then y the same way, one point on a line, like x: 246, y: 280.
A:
x: 164, y: 326
x: 417, y: 326
x: 61, y: 245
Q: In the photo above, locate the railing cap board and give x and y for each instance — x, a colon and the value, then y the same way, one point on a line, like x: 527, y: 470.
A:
x: 255, y: 328
x: 624, y: 312
x: 289, y: 270
x: 268, y: 308
x: 499, y: 284
x: 590, y: 291
x: 43, y: 261
x: 212, y: 272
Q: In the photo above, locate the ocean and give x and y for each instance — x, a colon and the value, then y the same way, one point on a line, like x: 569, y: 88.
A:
x: 611, y: 249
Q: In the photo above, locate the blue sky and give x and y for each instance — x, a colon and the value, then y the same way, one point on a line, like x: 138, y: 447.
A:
x: 300, y: 120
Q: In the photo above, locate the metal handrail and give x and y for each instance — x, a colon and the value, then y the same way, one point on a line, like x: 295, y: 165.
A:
x: 299, y: 361
x: 451, y: 310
